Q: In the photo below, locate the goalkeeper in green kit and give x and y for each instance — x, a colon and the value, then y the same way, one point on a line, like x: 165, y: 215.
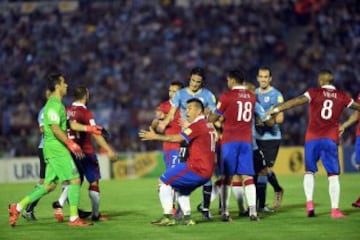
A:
x: 57, y: 147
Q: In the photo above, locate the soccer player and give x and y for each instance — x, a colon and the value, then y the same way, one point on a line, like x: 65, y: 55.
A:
x: 237, y: 106
x: 197, y: 170
x: 350, y: 121
x: 57, y: 147
x: 89, y: 166
x: 29, y: 211
x: 326, y: 104
x: 269, y: 138
x: 195, y: 89
x: 171, y: 150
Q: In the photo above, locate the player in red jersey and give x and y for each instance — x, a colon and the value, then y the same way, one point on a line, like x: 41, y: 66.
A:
x: 355, y: 117
x: 89, y: 166
x: 197, y: 170
x: 237, y: 107
x: 326, y: 104
x: 171, y: 150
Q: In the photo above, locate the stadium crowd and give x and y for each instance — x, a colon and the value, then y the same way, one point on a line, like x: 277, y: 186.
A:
x: 128, y: 53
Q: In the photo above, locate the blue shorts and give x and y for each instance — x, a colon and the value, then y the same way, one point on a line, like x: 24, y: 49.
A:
x: 327, y: 150
x: 357, y: 149
x: 89, y: 167
x: 182, y: 179
x: 171, y: 158
x: 237, y: 159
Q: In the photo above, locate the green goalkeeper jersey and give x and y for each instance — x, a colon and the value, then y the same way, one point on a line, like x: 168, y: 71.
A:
x: 54, y: 113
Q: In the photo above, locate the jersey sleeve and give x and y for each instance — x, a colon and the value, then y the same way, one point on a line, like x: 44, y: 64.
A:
x: 211, y: 101
x: 53, y: 114
x: 220, y: 107
x: 279, y: 98
x: 40, y: 118
x: 307, y: 94
x: 175, y: 101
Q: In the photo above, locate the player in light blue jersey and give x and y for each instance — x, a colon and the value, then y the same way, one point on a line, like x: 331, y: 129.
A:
x: 269, y: 138
x: 29, y: 212
x: 195, y: 89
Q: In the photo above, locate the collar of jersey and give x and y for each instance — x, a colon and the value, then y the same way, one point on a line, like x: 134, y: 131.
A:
x: 77, y: 104
x: 328, y: 86
x: 193, y: 93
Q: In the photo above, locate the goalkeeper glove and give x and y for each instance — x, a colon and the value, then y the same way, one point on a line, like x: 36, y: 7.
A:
x: 74, y: 148
x: 95, y: 129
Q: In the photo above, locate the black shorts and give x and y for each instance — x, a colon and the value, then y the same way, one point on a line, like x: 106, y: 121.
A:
x: 42, y: 163
x: 270, y: 149
x: 259, y: 161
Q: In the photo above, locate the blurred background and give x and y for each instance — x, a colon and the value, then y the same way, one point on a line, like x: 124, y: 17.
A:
x: 127, y: 52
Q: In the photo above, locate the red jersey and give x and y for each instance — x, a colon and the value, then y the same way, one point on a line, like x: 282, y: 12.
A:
x: 79, y: 113
x: 173, y: 127
x: 202, y: 143
x: 237, y: 108
x: 325, y: 107
x: 358, y: 125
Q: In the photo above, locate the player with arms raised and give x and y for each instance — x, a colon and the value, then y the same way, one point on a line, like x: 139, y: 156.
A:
x: 326, y: 104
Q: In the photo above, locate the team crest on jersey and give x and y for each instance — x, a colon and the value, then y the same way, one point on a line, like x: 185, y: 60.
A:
x: 266, y: 99
x: 280, y: 99
x: 188, y: 131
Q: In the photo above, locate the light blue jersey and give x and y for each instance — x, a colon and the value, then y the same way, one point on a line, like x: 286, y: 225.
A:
x: 40, y: 120
x: 183, y: 95
x: 268, y: 100
x: 259, y: 113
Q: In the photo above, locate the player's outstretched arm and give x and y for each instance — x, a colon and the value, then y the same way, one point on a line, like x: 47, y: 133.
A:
x: 95, y: 129
x: 152, y: 135
x: 100, y: 140
x: 297, y: 101
x: 168, y: 118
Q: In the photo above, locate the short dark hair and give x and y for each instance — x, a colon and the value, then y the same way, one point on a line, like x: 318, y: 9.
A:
x: 80, y: 92
x: 198, y: 71
x: 266, y: 68
x: 238, y: 75
x: 330, y: 76
x: 198, y: 102
x: 52, y: 80
x: 177, y: 83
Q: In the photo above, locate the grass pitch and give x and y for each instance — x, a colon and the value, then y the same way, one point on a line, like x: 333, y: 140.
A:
x: 132, y: 204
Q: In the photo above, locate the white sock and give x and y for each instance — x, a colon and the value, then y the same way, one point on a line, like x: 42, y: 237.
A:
x: 95, y: 202
x: 184, y: 202
x: 18, y: 207
x: 334, y: 190
x: 250, y: 192
x: 166, y: 198
x: 309, y: 183
x: 214, y: 192
x: 225, y: 193
x: 64, y: 194
x: 239, y: 194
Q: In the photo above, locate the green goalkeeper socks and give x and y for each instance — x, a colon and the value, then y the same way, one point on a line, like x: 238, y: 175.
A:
x: 74, y: 198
